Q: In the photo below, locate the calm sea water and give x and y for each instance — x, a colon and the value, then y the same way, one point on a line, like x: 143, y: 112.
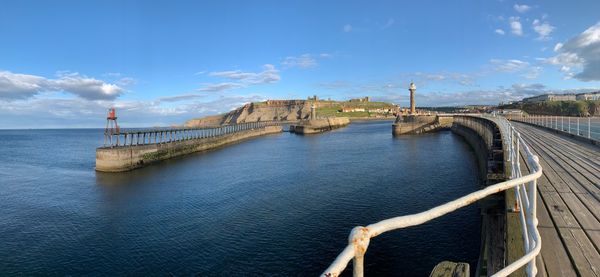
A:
x: 280, y: 205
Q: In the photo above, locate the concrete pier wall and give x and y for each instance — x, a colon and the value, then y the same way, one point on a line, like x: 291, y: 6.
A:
x: 320, y: 125
x: 501, y: 240
x: 418, y: 124
x: 118, y: 159
x: 480, y: 134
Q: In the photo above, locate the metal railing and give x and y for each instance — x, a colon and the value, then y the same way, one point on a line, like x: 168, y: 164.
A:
x: 525, y: 191
x: 134, y: 137
x: 587, y: 127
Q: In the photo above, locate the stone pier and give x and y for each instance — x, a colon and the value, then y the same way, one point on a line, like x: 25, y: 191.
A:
x: 143, y: 148
x: 319, y: 125
x: 417, y: 124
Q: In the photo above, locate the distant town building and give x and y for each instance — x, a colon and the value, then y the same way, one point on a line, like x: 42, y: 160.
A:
x: 550, y: 97
x: 314, y: 98
x: 364, y: 99
x: 588, y: 96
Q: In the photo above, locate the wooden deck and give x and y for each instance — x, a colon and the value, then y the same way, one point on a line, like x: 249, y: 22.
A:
x: 569, y: 203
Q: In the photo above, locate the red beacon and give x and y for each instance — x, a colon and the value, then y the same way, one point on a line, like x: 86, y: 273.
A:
x: 111, y: 122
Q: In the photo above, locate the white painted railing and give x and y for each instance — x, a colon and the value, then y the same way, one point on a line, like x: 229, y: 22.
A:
x: 587, y: 127
x: 525, y: 191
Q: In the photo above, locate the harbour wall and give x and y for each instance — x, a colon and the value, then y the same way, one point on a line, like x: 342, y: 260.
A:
x: 417, y: 124
x: 501, y: 238
x: 125, y: 158
x: 319, y: 125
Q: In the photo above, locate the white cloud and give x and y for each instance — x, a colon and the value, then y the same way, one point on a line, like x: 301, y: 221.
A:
x: 542, y: 29
x: 533, y: 72
x: 515, y: 92
x: 240, y: 79
x: 515, y: 26
x: 347, y: 28
x: 557, y: 47
x: 580, y: 53
x: 509, y: 66
x: 221, y: 86
x: 87, y: 88
x: 78, y: 113
x: 499, y: 31
x: 525, y: 69
x: 521, y: 8
x: 302, y: 61
x: 21, y: 86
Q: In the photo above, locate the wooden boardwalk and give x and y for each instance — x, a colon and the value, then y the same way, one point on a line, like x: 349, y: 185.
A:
x: 569, y: 203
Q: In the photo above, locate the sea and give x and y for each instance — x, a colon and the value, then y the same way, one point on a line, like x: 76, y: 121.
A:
x: 278, y: 205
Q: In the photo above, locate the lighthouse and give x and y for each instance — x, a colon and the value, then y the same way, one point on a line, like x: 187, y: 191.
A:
x: 412, y: 88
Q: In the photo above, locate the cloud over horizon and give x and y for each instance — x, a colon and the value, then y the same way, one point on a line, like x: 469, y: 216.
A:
x: 23, y: 86
x: 240, y: 79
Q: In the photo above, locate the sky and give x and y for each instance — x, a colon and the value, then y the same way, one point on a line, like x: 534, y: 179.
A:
x: 160, y: 63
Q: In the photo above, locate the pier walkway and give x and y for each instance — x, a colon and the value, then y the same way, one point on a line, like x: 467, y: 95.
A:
x: 569, y: 206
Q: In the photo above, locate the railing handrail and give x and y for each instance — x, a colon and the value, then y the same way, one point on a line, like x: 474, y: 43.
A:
x: 123, y: 131
x: 132, y: 138
x: 360, y: 236
x: 574, y: 125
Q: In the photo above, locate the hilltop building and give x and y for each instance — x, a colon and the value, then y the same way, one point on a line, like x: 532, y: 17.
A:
x: 364, y: 99
x: 563, y: 97
x: 588, y: 96
x: 550, y: 97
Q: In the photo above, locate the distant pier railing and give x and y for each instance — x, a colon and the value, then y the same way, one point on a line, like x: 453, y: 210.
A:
x: 133, y: 137
x: 526, y: 196
x: 587, y: 127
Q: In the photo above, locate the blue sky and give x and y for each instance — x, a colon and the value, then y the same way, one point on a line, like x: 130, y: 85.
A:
x: 62, y: 63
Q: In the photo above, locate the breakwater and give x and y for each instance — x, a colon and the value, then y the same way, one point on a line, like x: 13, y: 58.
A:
x: 501, y: 242
x: 314, y: 126
x: 417, y: 124
x: 130, y: 150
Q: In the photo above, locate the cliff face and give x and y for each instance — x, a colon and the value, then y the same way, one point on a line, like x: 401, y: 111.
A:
x: 278, y: 110
x: 205, y: 121
x: 293, y: 110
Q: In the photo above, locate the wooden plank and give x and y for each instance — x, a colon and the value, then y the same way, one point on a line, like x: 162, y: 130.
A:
x: 556, y: 258
x: 554, y: 253
x: 569, y: 219
x: 581, y: 251
x: 541, y: 267
x: 561, y: 215
x: 591, y: 201
x: 583, y: 180
x: 583, y: 215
